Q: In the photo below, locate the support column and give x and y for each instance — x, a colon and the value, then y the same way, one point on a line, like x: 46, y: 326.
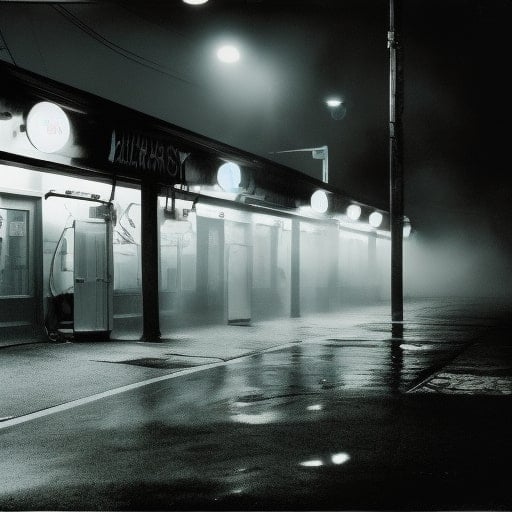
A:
x: 373, y: 271
x: 295, y: 270
x: 149, y: 253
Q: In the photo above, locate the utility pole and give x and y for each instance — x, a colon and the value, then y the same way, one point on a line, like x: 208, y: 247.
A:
x: 396, y: 199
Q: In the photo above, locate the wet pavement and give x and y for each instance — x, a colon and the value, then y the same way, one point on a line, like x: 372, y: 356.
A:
x: 324, y: 412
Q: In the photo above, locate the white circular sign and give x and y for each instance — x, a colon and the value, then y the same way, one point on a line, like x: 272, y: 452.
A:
x: 47, y: 127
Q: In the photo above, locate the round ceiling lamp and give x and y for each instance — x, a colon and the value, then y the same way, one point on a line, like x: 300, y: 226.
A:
x: 353, y: 212
x: 319, y: 201
x: 229, y: 176
x: 375, y: 219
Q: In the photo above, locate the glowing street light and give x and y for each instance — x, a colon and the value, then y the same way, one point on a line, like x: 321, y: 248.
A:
x: 228, y: 54
x: 337, y: 107
x: 195, y: 2
x: 333, y: 102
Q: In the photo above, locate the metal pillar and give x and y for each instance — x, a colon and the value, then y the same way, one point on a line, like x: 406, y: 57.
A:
x: 149, y: 250
x: 295, y: 270
x: 396, y: 160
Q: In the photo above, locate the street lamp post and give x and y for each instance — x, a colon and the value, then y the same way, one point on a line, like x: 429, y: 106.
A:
x: 396, y: 160
x: 320, y: 153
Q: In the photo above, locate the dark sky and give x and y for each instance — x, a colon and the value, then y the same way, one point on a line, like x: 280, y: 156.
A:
x: 158, y: 57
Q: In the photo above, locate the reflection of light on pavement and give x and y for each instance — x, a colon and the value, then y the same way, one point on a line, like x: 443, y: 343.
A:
x: 312, y: 463
x: 340, y: 458
x: 406, y: 346
x: 316, y: 407
x: 242, y: 404
x: 255, y: 419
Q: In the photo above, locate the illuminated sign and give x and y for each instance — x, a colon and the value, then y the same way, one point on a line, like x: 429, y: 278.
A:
x: 47, y: 127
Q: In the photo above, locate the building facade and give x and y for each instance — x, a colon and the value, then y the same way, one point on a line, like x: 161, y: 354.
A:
x: 112, y: 221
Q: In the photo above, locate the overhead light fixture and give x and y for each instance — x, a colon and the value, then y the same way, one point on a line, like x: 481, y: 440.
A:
x: 353, y: 212
x: 195, y: 2
x: 375, y: 219
x: 319, y: 201
x: 336, y: 107
x: 228, y: 54
x: 229, y: 176
x: 407, y: 227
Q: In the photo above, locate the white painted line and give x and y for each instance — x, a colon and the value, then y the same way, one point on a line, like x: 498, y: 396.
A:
x: 93, y: 398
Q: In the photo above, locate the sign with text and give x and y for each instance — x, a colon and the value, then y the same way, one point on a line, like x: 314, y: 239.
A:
x: 149, y: 155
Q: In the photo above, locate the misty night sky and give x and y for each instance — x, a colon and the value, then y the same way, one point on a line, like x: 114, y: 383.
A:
x: 158, y: 57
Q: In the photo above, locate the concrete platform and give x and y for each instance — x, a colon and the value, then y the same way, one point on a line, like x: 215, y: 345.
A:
x: 36, y: 375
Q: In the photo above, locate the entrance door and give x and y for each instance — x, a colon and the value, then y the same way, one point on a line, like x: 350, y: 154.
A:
x: 93, y: 286
x: 20, y: 264
x: 238, y: 286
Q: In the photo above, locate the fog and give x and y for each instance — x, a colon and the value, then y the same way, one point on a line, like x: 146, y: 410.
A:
x: 469, y: 262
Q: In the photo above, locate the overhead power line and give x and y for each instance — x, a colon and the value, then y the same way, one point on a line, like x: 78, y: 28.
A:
x: 3, y: 46
x: 128, y: 54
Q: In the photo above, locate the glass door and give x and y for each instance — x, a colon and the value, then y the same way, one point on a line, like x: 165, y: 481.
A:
x: 20, y: 276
